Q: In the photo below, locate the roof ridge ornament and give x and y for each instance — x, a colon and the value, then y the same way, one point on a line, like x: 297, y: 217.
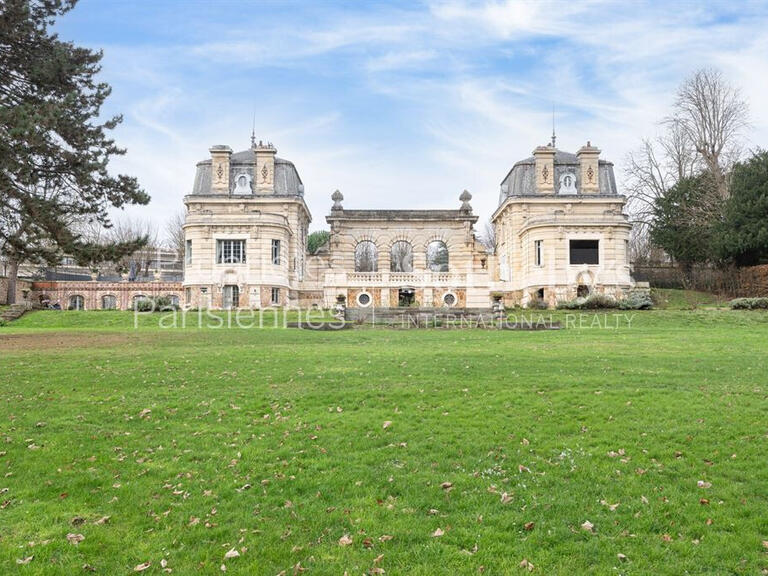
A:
x: 465, y: 198
x: 337, y: 197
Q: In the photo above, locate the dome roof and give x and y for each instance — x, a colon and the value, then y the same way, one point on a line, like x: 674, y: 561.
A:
x: 521, y: 179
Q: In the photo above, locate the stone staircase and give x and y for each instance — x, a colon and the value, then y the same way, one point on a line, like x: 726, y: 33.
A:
x: 13, y: 312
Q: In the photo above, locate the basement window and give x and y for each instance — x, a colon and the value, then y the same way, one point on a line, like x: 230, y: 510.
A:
x: 585, y: 252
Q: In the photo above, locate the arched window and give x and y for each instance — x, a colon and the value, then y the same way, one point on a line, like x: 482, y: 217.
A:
x: 108, y: 302
x: 138, y: 298
x: 401, y: 257
x: 366, y: 257
x: 437, y: 256
x: 76, y: 302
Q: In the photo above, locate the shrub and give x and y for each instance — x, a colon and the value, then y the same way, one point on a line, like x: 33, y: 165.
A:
x: 575, y: 304
x: 749, y: 304
x: 537, y: 304
x: 636, y: 301
x: 633, y: 301
x: 159, y: 304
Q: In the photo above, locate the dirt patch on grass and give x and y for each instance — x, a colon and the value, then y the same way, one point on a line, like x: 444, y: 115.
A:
x: 62, y: 341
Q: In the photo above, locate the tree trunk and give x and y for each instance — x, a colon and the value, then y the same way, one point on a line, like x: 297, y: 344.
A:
x: 13, y: 273
x: 687, y: 270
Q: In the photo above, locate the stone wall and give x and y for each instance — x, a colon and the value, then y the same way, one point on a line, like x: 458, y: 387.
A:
x: 23, y: 287
x: 93, y: 292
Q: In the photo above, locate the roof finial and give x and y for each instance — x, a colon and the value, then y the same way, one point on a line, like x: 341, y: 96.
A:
x: 553, y: 125
x: 253, y: 131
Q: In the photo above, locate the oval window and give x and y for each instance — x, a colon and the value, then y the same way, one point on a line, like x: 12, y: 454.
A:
x: 449, y: 299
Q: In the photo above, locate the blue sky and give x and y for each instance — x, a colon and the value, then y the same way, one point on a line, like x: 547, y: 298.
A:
x: 403, y: 104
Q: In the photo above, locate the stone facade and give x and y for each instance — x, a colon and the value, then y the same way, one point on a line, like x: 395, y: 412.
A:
x: 246, y: 230
x: 560, y: 227
x: 401, y: 256
x: 566, y: 236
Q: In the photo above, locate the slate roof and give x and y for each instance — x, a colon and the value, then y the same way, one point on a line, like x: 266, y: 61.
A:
x: 520, y: 180
x: 287, y: 179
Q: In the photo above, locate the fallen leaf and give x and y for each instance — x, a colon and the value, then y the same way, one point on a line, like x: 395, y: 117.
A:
x: 387, y: 424
x: 385, y: 537
x: 506, y: 498
x: 704, y: 502
x: 26, y: 560
x: 621, y: 557
x: 102, y: 520
x: 143, y: 414
x: 588, y: 526
x: 437, y: 533
x: 345, y: 540
x: 446, y: 485
x: 527, y: 565
x: 611, y: 507
x: 75, y: 538
x: 529, y: 526
x: 143, y: 566
x: 231, y: 554
x: 702, y: 484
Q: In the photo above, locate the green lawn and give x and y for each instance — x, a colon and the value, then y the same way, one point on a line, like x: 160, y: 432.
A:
x: 273, y: 442
x: 671, y: 299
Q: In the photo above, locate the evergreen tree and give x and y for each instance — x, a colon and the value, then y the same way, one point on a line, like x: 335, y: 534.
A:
x: 317, y: 240
x: 743, y: 235
x: 680, y: 227
x: 54, y: 150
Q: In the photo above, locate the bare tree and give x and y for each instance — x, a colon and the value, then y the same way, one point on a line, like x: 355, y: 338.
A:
x: 712, y: 115
x: 366, y: 257
x: 174, y: 232
x: 487, y: 238
x: 138, y: 263
x: 703, y: 133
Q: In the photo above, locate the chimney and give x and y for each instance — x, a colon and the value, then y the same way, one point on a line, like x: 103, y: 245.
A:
x: 544, y: 159
x: 589, y: 163
x: 220, y: 169
x: 264, y: 178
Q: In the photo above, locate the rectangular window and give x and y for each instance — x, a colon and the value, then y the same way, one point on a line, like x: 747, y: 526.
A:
x: 188, y: 252
x: 230, y: 251
x: 627, y: 253
x: 537, y: 252
x: 585, y: 252
x: 188, y: 296
x: 275, y: 295
x: 276, y: 252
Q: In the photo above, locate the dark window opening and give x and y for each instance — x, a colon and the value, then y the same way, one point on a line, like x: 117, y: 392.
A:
x: 585, y: 252
x: 582, y: 291
x: 540, y: 294
x: 406, y: 297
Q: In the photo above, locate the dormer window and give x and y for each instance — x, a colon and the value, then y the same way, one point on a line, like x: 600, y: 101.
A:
x: 242, y: 184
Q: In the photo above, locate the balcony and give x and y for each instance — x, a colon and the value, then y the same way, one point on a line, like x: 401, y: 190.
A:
x: 427, y: 278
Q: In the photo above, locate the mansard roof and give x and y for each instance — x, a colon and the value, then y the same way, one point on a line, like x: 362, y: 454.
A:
x: 521, y: 179
x: 287, y: 179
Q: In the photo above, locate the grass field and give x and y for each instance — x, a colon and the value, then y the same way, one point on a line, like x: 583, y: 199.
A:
x: 412, y: 452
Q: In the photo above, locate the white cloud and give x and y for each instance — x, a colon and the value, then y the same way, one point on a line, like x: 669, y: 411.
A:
x: 405, y: 108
